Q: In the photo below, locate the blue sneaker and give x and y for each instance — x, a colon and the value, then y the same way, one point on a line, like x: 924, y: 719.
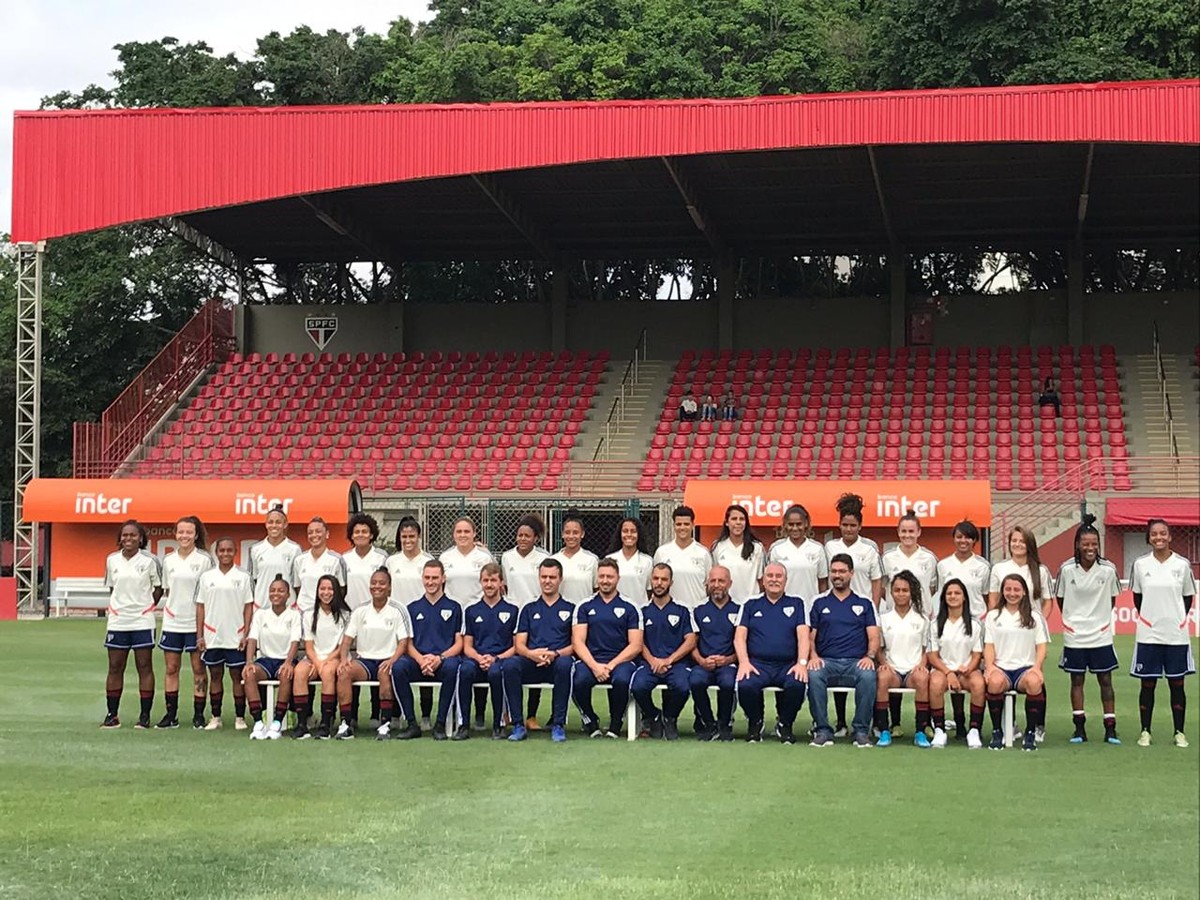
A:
x: 518, y: 733
x: 885, y: 739
x: 558, y: 734
x: 921, y: 740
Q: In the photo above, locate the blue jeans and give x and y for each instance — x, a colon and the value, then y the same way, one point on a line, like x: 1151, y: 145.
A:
x: 841, y: 673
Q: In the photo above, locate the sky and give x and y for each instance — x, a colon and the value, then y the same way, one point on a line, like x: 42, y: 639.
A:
x: 49, y: 46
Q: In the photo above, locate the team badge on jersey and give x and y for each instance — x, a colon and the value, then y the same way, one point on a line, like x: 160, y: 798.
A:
x: 619, y: 611
x: 446, y: 614
x: 732, y: 618
x: 858, y: 610
x: 788, y: 610
x: 321, y: 329
x: 674, y: 620
x: 504, y: 617
x: 564, y: 615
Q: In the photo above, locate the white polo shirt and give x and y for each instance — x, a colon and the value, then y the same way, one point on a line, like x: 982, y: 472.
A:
x: 923, y: 563
x: 634, y: 583
x: 268, y: 560
x: 132, y: 582
x: 975, y: 572
x: 224, y: 596
x: 181, y: 575
x: 462, y: 574
x: 327, y: 636
x: 1008, y: 567
x: 407, y: 584
x: 690, y: 566
x: 521, y: 574
x: 307, y: 571
x: 1016, y: 646
x: 274, y: 634
x: 376, y: 632
x: 1163, y: 586
x: 955, y: 646
x: 904, y: 638
x: 359, y: 570
x: 867, y: 568
x: 745, y: 573
x: 579, y: 575
x: 1087, y: 602
x: 806, y: 564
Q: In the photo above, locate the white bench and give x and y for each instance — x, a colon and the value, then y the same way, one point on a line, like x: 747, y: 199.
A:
x: 1009, y: 719
x: 273, y: 685
x: 78, y: 593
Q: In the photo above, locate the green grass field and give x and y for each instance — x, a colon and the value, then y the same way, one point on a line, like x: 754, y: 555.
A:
x: 87, y: 813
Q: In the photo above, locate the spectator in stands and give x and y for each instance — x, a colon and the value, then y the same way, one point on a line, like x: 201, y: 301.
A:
x: 689, y: 560
x: 273, y: 554
x: 739, y: 551
x: 689, y: 410
x: 708, y: 411
x: 845, y: 647
x: 181, y: 573
x: 134, y: 577
x: 955, y: 651
x: 1014, y: 649
x: 1163, y: 591
x: 714, y: 658
x: 633, y: 559
x: 487, y: 642
x: 771, y: 642
x: 606, y: 637
x: 1049, y: 397
x: 382, y: 637
x: 902, y: 657
x: 802, y: 556
x: 544, y: 653
x: 729, y: 409
x: 323, y: 633
x: 224, y: 606
x: 521, y: 575
x: 270, y: 648
x: 669, y: 637
x: 314, y: 562
x: 407, y: 563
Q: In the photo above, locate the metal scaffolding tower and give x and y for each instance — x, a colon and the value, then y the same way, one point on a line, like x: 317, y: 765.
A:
x: 28, y: 421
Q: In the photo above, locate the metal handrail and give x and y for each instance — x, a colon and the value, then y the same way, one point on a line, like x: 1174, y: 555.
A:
x: 1164, y: 396
x: 631, y: 377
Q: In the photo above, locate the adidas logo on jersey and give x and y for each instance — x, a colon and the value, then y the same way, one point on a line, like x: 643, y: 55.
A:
x: 706, y: 620
x: 477, y: 618
x: 536, y: 616
x: 420, y: 616
x: 758, y: 614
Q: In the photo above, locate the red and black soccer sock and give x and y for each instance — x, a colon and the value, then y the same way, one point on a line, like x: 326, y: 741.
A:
x: 881, y: 715
x: 113, y: 700
x: 1079, y: 720
x: 239, y: 706
x: 386, y: 710
x: 328, y: 707
x: 976, y: 716
x: 281, y: 708
x: 172, y: 704
x: 1146, y: 701
x: 147, y: 703
x: 255, y: 708
x: 198, y: 703
x: 216, y: 700
x: 347, y: 711
x: 1178, y: 702
x: 1110, y: 722
x: 839, y: 709
x: 960, y: 720
x: 1035, y: 710
x: 938, y: 714
x: 995, y: 704
x: 894, y: 701
x: 922, y: 716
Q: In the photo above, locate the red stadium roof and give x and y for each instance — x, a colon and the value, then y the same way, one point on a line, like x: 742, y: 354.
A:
x: 420, y: 178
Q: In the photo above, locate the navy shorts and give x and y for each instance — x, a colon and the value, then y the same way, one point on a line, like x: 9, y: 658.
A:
x: 177, y: 641
x: 1015, y: 675
x: 270, y: 666
x: 904, y: 676
x: 1162, y: 661
x: 1079, y: 660
x: 232, y: 659
x: 129, y: 640
x: 371, y: 665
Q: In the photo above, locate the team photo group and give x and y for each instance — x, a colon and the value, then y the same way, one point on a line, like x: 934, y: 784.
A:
x: 798, y: 619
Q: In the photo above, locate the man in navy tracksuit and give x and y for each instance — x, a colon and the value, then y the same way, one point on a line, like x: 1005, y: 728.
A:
x: 434, y: 654
x: 715, y: 661
x: 543, y: 644
x: 487, y: 644
x: 771, y: 643
x: 669, y: 637
x: 607, y: 638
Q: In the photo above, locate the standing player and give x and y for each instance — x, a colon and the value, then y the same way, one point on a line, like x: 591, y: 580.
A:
x: 1087, y: 591
x: 714, y: 658
x: 688, y: 559
x: 463, y: 562
x: 181, y: 573
x: 975, y: 573
x: 488, y: 641
x: 543, y: 644
x: 520, y: 562
x: 270, y: 649
x: 224, y: 606
x: 579, y: 564
x: 669, y: 637
x: 273, y: 554
x: 633, y: 559
x: 802, y: 556
x: 323, y: 633
x: 314, y: 562
x: 739, y: 551
x: 135, y: 579
x: 955, y: 649
x: 1163, y: 589
x: 407, y: 563
x: 363, y: 559
x: 1014, y: 650
x: 606, y: 638
x: 380, y: 632
x: 910, y: 556
x: 903, y: 631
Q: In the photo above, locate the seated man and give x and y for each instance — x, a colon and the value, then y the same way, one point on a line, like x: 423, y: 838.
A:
x: 669, y: 637
x: 488, y: 642
x: 543, y: 644
x: 689, y: 410
x: 771, y: 643
x: 606, y: 637
x: 434, y: 654
x: 845, y: 647
x: 715, y: 661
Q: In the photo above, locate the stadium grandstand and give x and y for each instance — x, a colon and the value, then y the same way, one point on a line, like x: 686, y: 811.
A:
x: 572, y: 402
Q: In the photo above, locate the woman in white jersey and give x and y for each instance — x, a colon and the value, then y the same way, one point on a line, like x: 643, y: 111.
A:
x: 363, y: 558
x: 323, y: 632
x: 224, y: 605
x: 135, y: 579
x: 579, y: 565
x: 1163, y: 589
x: 520, y: 562
x: 407, y: 563
x: 1014, y: 651
x: 903, y: 632
x: 270, y: 649
x: 181, y: 573
x: 955, y: 651
x: 381, y: 633
x: 314, y: 562
x: 273, y: 554
x: 738, y: 550
x: 911, y: 556
x: 463, y: 563
x: 975, y: 573
x: 802, y: 556
x: 633, y: 560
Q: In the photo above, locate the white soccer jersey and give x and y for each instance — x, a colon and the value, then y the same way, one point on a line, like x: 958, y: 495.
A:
x: 274, y: 634
x: 307, y: 571
x: 806, y: 565
x: 1163, y: 586
x: 579, y: 575
x: 327, y: 636
x: 975, y: 572
x: 268, y: 560
x: 1008, y: 567
x: 955, y: 646
x: 690, y: 566
x: 867, y: 568
x: 634, y: 584
x: 923, y: 564
x: 407, y: 585
x: 1087, y: 602
x: 904, y: 638
x: 521, y: 574
x: 359, y: 570
x: 377, y: 632
x: 180, y: 575
x: 1016, y: 646
x: 744, y: 573
x: 462, y: 574
x: 224, y: 596
x: 132, y: 582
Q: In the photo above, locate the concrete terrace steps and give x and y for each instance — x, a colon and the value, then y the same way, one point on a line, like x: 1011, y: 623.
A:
x: 626, y: 440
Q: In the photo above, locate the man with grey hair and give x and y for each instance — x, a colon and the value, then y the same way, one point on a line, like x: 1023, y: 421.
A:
x: 715, y: 664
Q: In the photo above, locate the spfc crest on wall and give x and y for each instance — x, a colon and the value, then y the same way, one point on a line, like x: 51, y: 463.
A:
x: 321, y: 329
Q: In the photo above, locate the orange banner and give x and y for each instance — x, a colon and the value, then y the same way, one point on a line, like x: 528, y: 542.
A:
x: 217, y: 502
x: 938, y: 504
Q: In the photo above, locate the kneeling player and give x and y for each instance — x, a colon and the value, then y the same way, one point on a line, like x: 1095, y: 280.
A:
x: 270, y: 649
x: 669, y: 637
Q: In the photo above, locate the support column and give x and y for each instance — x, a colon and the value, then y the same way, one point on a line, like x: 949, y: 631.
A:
x: 726, y: 288
x: 560, y: 283
x: 1075, y: 287
x: 898, y: 299
x: 28, y: 420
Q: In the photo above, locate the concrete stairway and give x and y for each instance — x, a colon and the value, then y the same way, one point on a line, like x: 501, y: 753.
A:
x: 629, y: 435
x: 1146, y: 428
